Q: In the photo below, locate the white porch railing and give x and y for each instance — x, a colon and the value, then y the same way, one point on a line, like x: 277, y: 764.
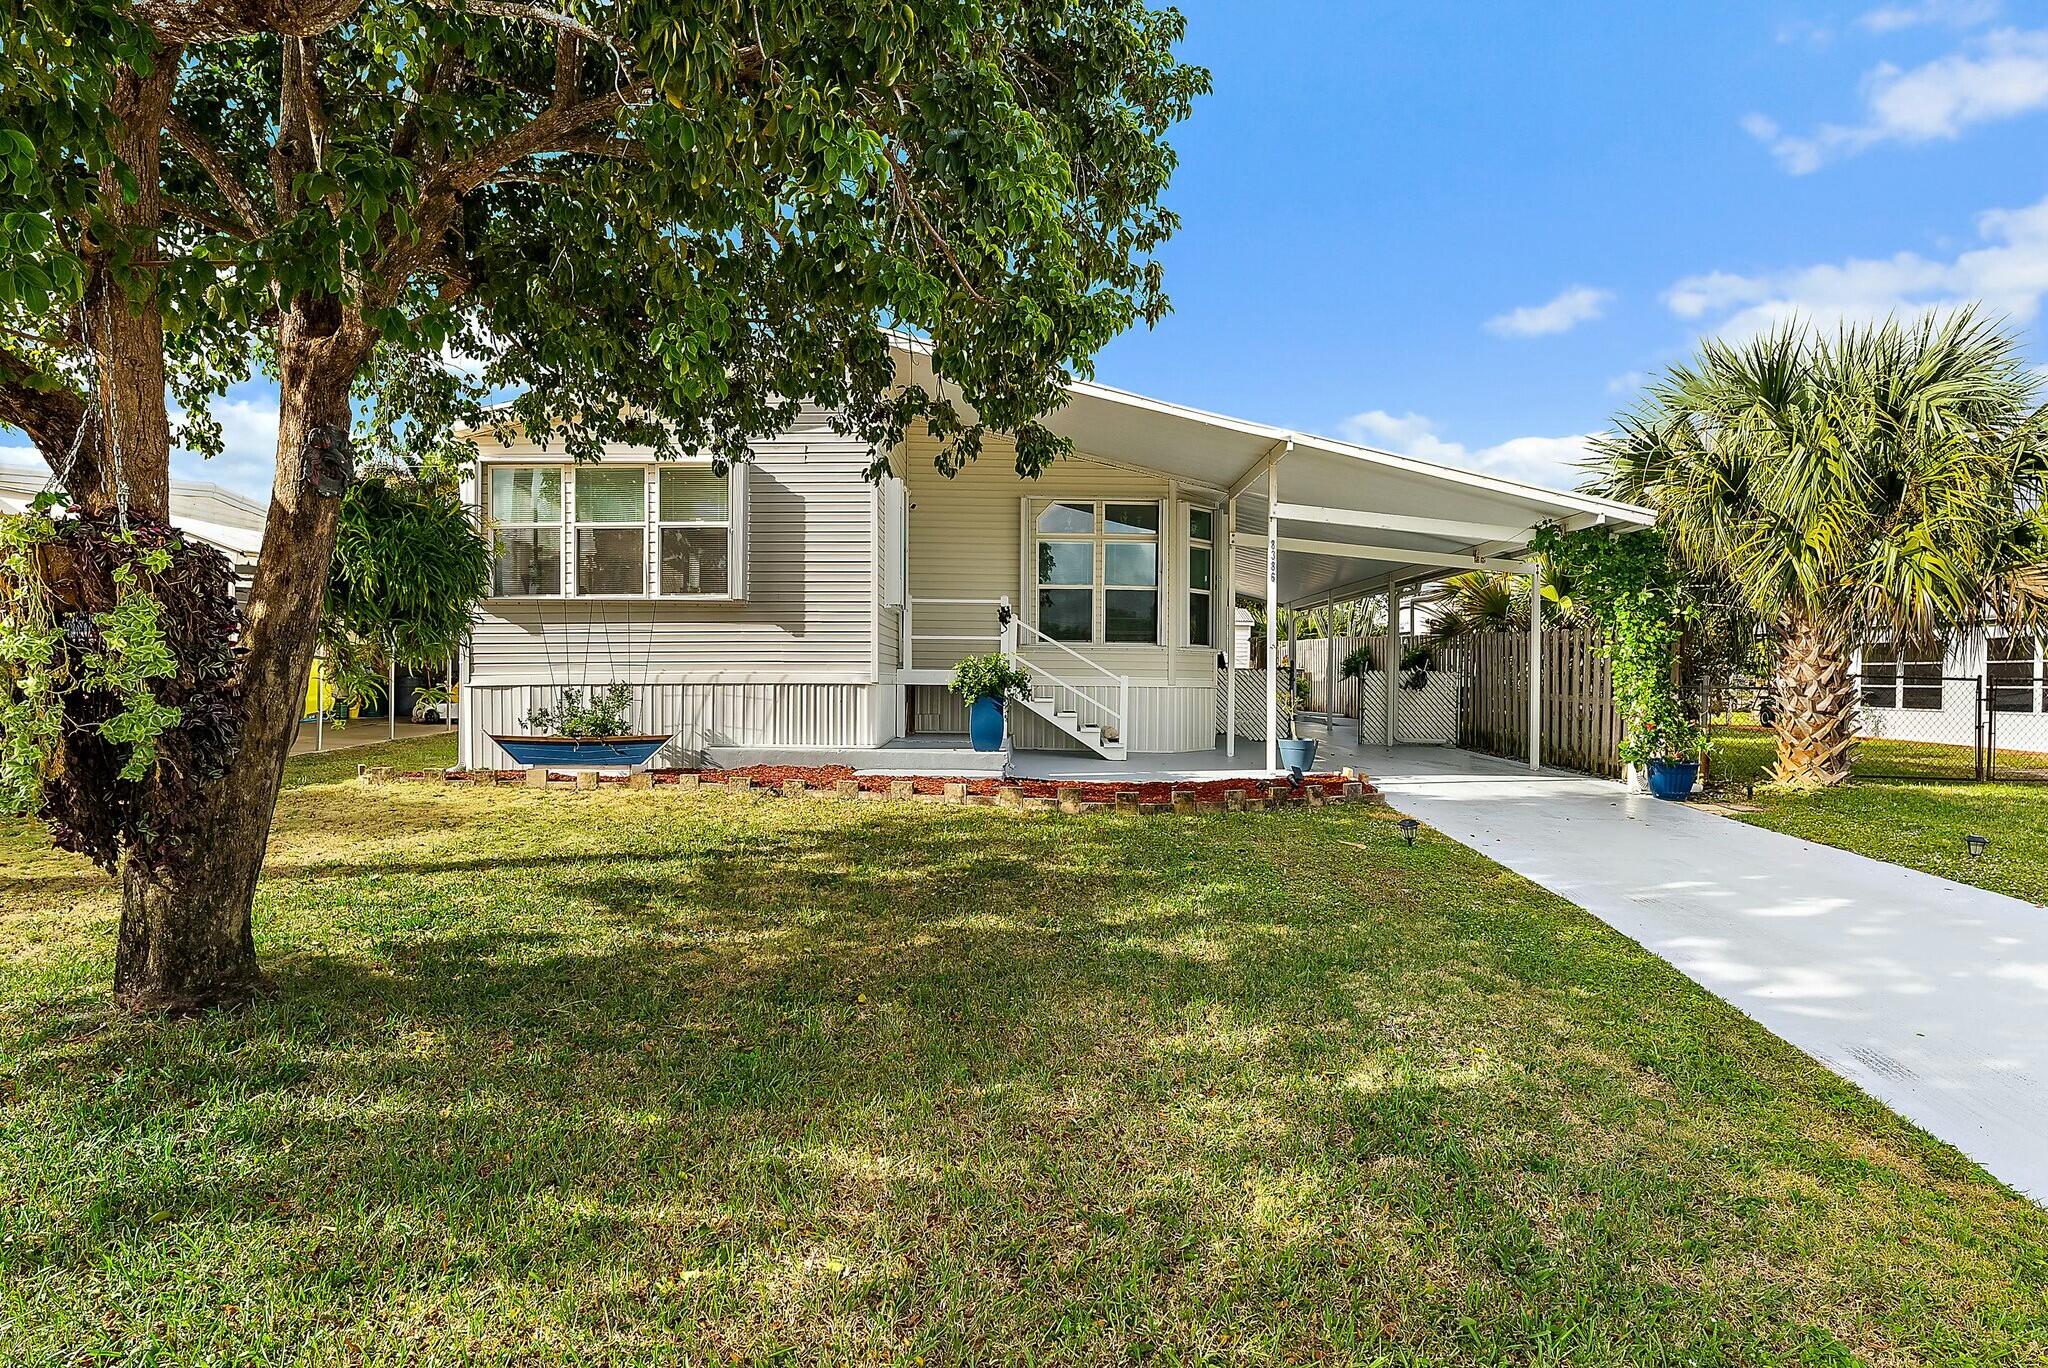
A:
x: 1016, y: 630
x: 1096, y: 722
x: 981, y: 641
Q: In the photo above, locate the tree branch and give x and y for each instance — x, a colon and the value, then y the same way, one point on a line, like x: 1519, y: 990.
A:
x: 568, y: 69
x: 217, y: 170
x: 544, y: 134
x: 42, y: 405
x: 206, y: 218
x: 536, y: 14
x: 211, y: 21
x: 604, y: 145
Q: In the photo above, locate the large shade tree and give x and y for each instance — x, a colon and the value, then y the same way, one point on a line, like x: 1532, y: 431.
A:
x: 1880, y: 483
x: 667, y: 220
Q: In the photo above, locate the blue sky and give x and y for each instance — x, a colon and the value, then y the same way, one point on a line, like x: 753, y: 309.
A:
x: 1466, y: 232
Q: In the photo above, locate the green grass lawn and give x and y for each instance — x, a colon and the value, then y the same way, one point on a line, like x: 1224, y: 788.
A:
x: 652, y: 1077
x: 1919, y: 823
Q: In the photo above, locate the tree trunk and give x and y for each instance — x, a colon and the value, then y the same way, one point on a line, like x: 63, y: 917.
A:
x: 1816, y: 697
x: 132, y: 468
x: 186, y: 941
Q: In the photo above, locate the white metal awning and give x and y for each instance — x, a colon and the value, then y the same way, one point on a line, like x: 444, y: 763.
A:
x: 1313, y: 520
x: 1350, y: 518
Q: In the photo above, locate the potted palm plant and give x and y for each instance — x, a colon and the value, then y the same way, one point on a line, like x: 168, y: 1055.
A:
x: 985, y: 683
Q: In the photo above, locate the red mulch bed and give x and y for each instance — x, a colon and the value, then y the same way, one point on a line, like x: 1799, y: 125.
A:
x: 825, y: 776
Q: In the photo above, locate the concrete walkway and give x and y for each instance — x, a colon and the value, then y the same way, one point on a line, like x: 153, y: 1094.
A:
x: 1930, y: 995
x: 364, y: 731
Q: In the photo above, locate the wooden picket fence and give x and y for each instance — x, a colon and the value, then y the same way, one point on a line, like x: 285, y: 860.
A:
x: 1581, y: 726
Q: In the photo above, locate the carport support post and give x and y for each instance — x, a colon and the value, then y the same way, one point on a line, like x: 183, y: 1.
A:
x: 1230, y: 628
x: 1329, y: 670
x: 1273, y: 616
x: 1535, y: 665
x: 1391, y: 678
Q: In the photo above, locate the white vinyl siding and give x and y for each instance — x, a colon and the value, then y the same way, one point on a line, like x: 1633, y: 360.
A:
x: 802, y: 592
x: 968, y: 539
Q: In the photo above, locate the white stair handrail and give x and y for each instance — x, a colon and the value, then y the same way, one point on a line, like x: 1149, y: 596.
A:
x: 1040, y: 638
x: 1013, y: 628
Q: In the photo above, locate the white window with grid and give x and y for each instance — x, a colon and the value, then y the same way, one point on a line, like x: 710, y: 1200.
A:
x: 2012, y: 672
x: 526, y: 538
x: 694, y: 522
x: 616, y: 531
x: 1201, y: 576
x: 1097, y: 565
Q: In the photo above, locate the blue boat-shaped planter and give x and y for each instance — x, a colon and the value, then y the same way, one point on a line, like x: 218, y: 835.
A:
x: 571, y: 752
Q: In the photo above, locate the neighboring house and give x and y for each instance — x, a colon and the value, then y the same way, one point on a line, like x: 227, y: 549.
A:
x: 792, y: 606
x: 205, y: 512
x: 1987, y: 679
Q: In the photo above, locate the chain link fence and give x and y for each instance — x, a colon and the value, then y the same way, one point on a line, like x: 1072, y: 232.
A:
x: 1913, y: 722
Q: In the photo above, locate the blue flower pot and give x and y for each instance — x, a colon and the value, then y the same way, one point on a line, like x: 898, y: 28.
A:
x: 1673, y: 779
x: 985, y: 724
x: 1298, y: 755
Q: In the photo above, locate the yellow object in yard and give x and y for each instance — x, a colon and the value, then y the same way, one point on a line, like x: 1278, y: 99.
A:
x: 319, y: 694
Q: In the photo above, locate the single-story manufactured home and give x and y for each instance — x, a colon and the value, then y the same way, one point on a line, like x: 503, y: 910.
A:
x: 793, y: 609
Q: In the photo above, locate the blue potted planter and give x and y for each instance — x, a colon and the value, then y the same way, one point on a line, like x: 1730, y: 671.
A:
x: 1673, y: 779
x: 1298, y: 755
x: 985, y: 724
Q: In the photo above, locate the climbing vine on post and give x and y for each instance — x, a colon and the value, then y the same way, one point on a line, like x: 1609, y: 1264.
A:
x: 1629, y: 585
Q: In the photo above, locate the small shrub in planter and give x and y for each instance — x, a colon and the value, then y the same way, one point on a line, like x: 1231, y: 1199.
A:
x: 1358, y: 663
x: 985, y: 683
x: 608, y: 713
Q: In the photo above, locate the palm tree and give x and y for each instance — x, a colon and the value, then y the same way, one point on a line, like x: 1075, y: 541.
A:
x: 1883, y: 483
x: 1486, y: 601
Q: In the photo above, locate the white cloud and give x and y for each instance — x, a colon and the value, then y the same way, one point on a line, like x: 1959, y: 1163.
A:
x: 1576, y: 305
x: 2008, y: 275
x: 2001, y: 76
x: 1955, y: 13
x: 1549, y: 461
x: 248, y: 460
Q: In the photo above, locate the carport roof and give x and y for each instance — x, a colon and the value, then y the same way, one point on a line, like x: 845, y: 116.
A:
x: 1350, y: 518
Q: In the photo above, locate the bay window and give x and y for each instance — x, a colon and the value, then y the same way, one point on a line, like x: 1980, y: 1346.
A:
x: 1201, y: 566
x: 1098, y: 572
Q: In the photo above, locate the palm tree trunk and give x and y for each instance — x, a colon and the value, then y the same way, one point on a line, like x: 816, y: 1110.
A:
x: 1816, y: 696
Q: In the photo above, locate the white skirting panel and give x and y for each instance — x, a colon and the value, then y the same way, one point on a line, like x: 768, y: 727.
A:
x: 1251, y: 705
x: 1428, y: 716
x: 697, y: 715
x: 1164, y: 717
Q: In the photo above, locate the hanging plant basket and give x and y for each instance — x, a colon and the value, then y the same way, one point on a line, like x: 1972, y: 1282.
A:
x: 56, y: 570
x: 571, y: 752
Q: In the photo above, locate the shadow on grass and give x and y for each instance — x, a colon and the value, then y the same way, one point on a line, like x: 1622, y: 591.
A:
x: 914, y: 1078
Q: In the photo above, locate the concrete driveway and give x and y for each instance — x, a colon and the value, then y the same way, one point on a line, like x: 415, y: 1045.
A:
x: 1930, y: 995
